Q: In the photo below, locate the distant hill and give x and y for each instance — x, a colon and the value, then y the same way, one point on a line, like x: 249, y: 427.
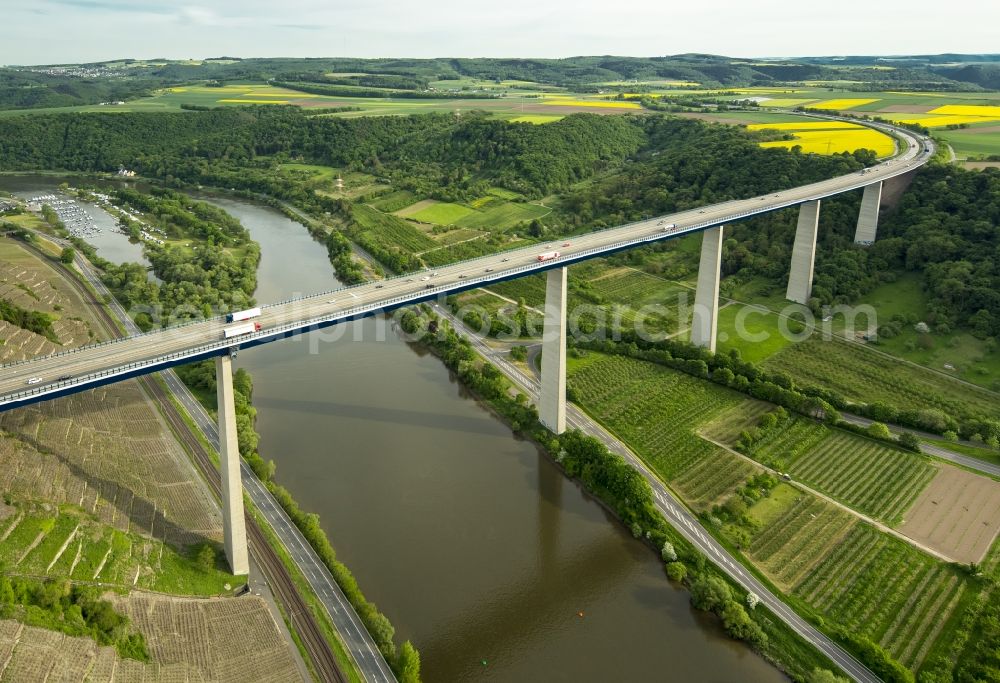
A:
x: 76, y: 84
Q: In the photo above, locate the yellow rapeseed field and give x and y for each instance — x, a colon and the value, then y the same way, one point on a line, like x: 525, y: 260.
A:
x: 804, y: 125
x: 968, y: 110
x: 843, y: 103
x: 592, y: 103
x: 535, y: 118
x: 836, y: 141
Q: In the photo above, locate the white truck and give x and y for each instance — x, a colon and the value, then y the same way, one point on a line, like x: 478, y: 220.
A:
x: 243, y: 315
x: 548, y: 256
x: 240, y: 330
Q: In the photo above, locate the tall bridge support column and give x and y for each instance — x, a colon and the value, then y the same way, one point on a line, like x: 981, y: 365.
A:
x: 868, y: 216
x: 800, y: 277
x: 552, y: 406
x: 705, y: 316
x: 233, y: 522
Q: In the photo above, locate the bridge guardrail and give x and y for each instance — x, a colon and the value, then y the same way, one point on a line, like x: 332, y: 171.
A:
x: 897, y: 169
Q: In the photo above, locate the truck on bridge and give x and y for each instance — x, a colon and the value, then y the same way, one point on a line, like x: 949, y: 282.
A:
x: 240, y: 330
x: 548, y: 256
x: 248, y: 314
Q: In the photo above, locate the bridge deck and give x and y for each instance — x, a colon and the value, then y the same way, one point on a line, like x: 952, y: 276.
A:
x: 86, y: 367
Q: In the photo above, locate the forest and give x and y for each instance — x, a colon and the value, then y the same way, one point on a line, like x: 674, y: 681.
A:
x: 29, y: 89
x: 945, y: 229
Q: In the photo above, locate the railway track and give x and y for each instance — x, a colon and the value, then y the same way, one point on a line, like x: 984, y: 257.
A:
x: 267, y: 559
x: 278, y: 578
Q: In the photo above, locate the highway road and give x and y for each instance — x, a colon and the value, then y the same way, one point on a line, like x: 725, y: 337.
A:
x: 676, y: 514
x: 352, y: 632
x: 71, y: 371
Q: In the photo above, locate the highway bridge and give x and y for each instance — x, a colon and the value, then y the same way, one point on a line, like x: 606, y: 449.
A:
x: 76, y: 370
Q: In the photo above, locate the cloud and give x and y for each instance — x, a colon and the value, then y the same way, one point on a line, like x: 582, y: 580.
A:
x: 302, y: 27
x: 115, y: 6
x: 201, y: 16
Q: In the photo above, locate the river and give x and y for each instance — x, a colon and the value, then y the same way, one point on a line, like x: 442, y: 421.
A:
x: 470, y: 540
x: 467, y: 537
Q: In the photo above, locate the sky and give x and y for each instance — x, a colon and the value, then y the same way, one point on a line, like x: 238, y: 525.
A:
x: 71, y: 31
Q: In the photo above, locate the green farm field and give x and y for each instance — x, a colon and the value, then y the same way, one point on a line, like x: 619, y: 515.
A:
x: 865, y: 376
x: 487, y: 213
x: 867, y: 475
x: 886, y: 590
x: 976, y: 141
x: 833, y: 564
x: 662, y: 427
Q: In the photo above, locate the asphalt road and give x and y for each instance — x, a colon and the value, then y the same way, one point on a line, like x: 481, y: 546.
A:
x: 676, y: 514
x: 89, y: 366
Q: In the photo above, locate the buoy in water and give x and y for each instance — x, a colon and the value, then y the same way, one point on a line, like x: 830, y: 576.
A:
x: 580, y: 614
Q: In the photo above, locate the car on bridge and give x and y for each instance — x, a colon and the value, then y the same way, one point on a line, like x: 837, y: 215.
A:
x: 34, y: 380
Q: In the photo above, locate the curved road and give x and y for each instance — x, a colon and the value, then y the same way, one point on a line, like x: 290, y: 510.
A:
x: 68, y: 372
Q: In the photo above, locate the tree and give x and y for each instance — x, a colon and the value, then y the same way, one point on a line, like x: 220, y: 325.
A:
x: 824, y: 676
x: 205, y: 557
x: 910, y: 441
x: 879, y: 430
x: 67, y: 255
x: 710, y: 593
x: 739, y: 624
x: 667, y: 552
x: 676, y: 571
x: 408, y: 664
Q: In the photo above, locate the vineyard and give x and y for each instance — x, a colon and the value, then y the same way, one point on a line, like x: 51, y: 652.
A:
x: 497, y: 214
x: 882, y: 588
x: 716, y: 476
x: 869, y: 476
x: 530, y: 288
x: 203, y: 631
x: 868, y: 377
x: 654, y: 409
x: 797, y: 539
x: 393, y: 230
x: 393, y: 201
x: 458, y: 252
x: 69, y: 544
x: 106, y: 452
x: 215, y: 640
x: 726, y: 427
x: 636, y: 288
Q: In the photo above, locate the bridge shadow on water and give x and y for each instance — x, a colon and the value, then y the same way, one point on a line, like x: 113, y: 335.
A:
x: 378, y: 414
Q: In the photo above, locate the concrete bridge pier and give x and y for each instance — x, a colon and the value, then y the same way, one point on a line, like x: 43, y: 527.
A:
x: 552, y: 405
x: 233, y: 522
x: 705, y: 316
x: 800, y: 277
x: 868, y: 216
